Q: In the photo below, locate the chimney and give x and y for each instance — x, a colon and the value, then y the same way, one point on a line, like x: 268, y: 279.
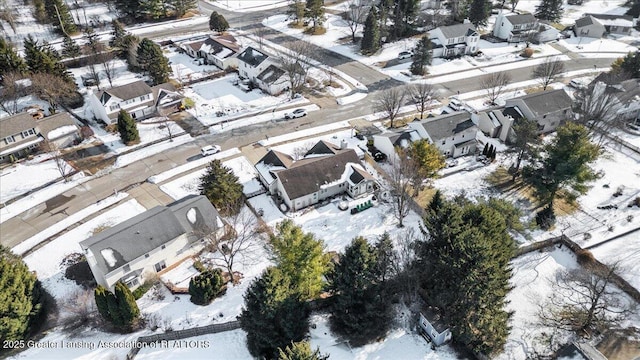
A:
x: 343, y: 144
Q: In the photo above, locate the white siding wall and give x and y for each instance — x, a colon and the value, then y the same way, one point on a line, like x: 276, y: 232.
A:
x: 98, y: 110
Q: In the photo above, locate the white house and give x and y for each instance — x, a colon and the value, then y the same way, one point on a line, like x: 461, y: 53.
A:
x: 263, y: 71
x: 389, y: 141
x: 137, y: 98
x: 218, y: 50
x: 325, y: 171
x: 273, y: 80
x: 515, y: 28
x: 549, y: 108
x: 152, y: 241
x: 431, y: 325
x: 454, y: 134
x: 616, y: 24
x: 493, y: 123
x: 454, y: 40
x: 589, y: 26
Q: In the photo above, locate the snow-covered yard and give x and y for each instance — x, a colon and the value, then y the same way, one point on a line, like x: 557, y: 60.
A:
x: 590, y: 47
x: 22, y: 177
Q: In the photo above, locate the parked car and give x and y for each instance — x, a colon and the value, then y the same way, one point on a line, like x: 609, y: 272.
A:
x: 210, y: 150
x: 379, y: 156
x: 577, y: 84
x: 455, y: 104
x: 451, y: 162
x: 297, y: 113
x: 405, y: 55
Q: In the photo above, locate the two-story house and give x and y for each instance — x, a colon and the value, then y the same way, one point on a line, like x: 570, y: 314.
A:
x: 388, y: 142
x: 149, y: 242
x: 549, y: 108
x: 454, y: 134
x: 515, y: 28
x: 21, y: 134
x: 493, y: 123
x: 137, y: 98
x: 589, y: 26
x: 325, y: 171
x: 218, y: 50
x: 454, y: 40
x: 263, y: 71
x: 596, y: 25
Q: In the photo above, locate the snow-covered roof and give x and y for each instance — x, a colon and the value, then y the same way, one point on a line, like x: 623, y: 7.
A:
x: 61, y: 131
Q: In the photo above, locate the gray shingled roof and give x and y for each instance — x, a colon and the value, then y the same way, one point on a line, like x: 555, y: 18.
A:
x: 546, y: 102
x: 252, y: 56
x: 585, y: 21
x: 443, y: 126
x: 521, y: 19
x: 148, y: 231
x: 271, y: 74
x: 16, y: 124
x: 129, y: 91
x: 457, y: 30
x: 55, y: 121
x: 322, y: 148
x: 306, y: 177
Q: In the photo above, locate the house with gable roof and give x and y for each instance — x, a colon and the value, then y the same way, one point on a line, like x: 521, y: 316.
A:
x: 515, y: 28
x: 589, y: 26
x: 597, y: 25
x: 454, y: 40
x: 549, y: 108
x: 149, y: 242
x: 263, y: 71
x: 454, y: 134
x: 326, y: 170
x: 137, y: 98
x: 218, y: 50
x: 388, y: 142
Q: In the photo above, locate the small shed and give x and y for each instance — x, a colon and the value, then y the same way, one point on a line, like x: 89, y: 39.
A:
x: 432, y: 325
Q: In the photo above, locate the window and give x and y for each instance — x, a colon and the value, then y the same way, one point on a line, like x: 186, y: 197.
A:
x: 32, y: 131
x: 159, y: 266
x: 146, y: 256
x: 126, y: 268
x: 163, y: 247
x: 9, y: 139
x: 143, y: 97
x: 133, y: 282
x: 25, y: 134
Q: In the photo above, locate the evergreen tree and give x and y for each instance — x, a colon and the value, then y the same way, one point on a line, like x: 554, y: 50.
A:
x: 44, y: 59
x: 10, y: 61
x: 129, y: 9
x: 550, y: 10
x: 155, y: 9
x: 628, y: 66
x: 525, y: 143
x: 371, y: 34
x: 101, y: 298
x: 21, y: 297
x: 218, y: 23
x: 205, y: 287
x: 300, y: 257
x: 361, y: 310
x: 479, y: 12
x: 427, y: 157
x: 404, y: 14
x: 315, y: 11
x: 296, y: 9
x: 272, y: 316
x: 39, y: 12
x: 59, y: 15
x: 115, y: 316
x: 485, y: 148
x: 92, y: 40
x: 465, y: 267
x: 634, y: 10
x: 221, y: 186
x: 182, y: 6
x: 564, y: 165
x: 118, y: 38
x: 421, y: 56
x: 69, y: 48
x: 153, y: 62
x: 300, y: 351
x: 129, y: 312
x: 127, y: 128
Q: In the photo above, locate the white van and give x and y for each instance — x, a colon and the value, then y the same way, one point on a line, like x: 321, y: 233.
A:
x: 455, y: 104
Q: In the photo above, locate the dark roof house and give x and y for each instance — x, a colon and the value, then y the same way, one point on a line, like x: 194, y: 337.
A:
x: 252, y: 56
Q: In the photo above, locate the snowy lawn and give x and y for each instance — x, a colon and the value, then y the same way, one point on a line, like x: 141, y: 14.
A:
x: 626, y: 252
x: 223, y: 346
x: 248, y: 5
x: 192, y: 165
x: 574, y: 12
x: 25, y: 176
x: 298, y: 148
x: 186, y: 68
x: 601, y: 47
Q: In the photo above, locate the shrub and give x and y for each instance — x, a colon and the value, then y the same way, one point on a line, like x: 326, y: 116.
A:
x: 199, y: 266
x: 585, y: 257
x: 205, y: 287
x: 142, y: 289
x: 527, y: 53
x: 545, y: 218
x: 80, y: 272
x: 635, y: 202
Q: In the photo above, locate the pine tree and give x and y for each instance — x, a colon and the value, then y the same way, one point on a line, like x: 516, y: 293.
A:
x: 628, y: 66
x: 21, y: 297
x: 153, y: 62
x: 154, y: 9
x: 127, y: 128
x: 371, y: 34
x: 315, y: 11
x: 300, y: 351
x: 69, y: 48
x: 218, y: 23
x: 550, y: 10
x: 300, y: 256
x: 59, y: 15
x: 205, y: 287
x: 485, y: 149
x: 296, y: 9
x: 182, y: 6
x: 129, y: 9
x: 361, y: 310
x: 44, y: 59
x: 465, y: 266
x: 92, y: 40
x: 10, y: 61
x: 129, y: 312
x: 118, y: 34
x: 39, y: 12
x: 221, y: 186
x: 115, y: 315
x: 479, y: 12
x: 404, y: 14
x: 272, y: 316
x: 102, y: 303
x: 427, y: 157
x: 421, y: 56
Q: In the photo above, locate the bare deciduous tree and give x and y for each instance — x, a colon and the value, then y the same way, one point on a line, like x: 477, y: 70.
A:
x: 421, y: 94
x: 390, y: 102
x: 355, y: 15
x: 94, y: 73
x: 108, y: 65
x: 548, y: 71
x: 54, y: 151
x: 400, y: 175
x: 585, y: 299
x: 52, y: 88
x: 495, y: 84
x: 11, y: 92
x: 403, y: 262
x: 296, y: 62
x: 596, y: 107
x: 164, y: 113
x: 300, y: 151
x: 81, y: 305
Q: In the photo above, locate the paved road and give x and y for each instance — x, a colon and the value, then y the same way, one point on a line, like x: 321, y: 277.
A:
x: 44, y: 215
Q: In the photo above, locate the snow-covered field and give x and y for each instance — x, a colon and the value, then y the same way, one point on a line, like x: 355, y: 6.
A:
x: 22, y: 177
x: 625, y: 251
x: 248, y: 5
